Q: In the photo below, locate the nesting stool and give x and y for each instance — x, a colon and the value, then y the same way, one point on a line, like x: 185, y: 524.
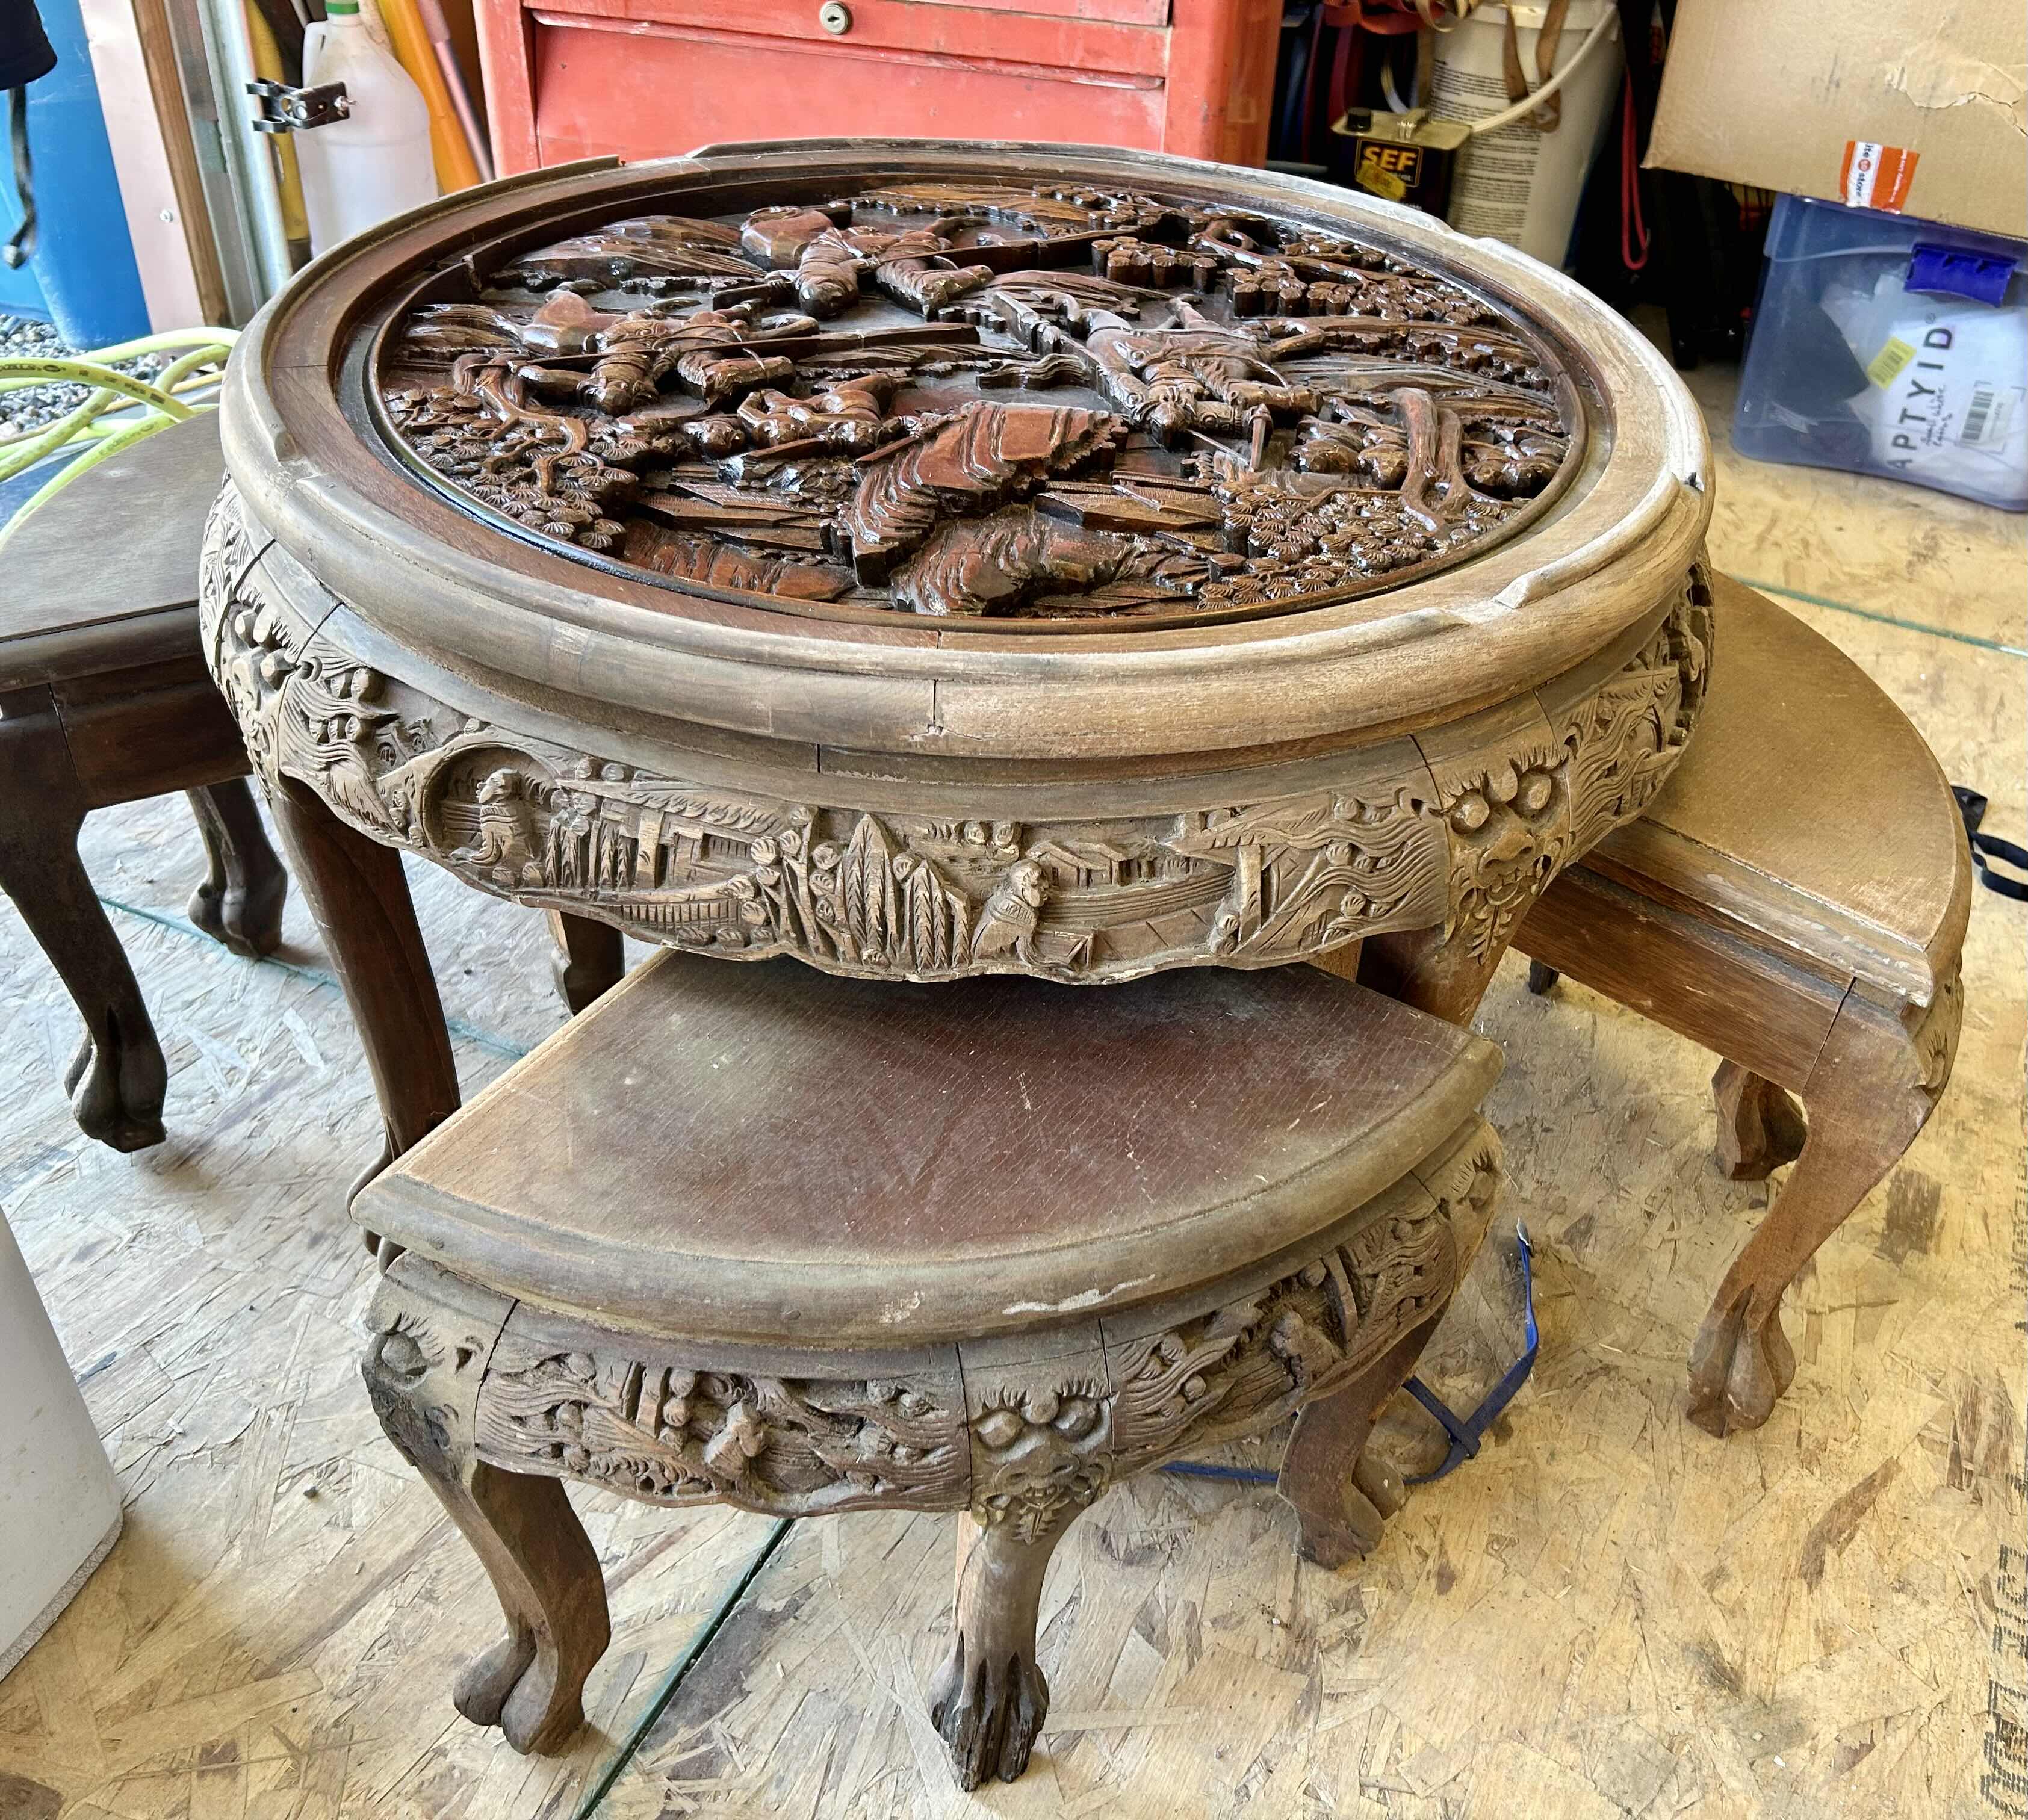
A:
x: 1795, y: 899
x: 754, y: 1235
x: 105, y: 699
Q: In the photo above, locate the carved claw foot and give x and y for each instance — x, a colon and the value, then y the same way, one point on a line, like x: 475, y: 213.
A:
x: 239, y: 901
x: 1336, y: 1537
x: 1352, y: 1525
x: 1876, y: 1080
x: 116, y: 1083
x: 117, y: 1079
x: 432, y: 1337
x: 1739, y: 1370
x: 988, y: 1706
x: 989, y: 1698
x: 1759, y: 1126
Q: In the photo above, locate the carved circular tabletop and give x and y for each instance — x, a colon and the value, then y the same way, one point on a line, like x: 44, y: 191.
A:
x: 1053, y: 404
x: 935, y: 559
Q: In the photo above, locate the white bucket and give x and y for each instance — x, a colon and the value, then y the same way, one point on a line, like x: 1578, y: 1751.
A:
x: 59, y: 1501
x: 1517, y: 184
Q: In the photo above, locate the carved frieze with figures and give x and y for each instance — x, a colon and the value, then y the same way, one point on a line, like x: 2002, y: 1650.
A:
x: 1019, y: 1436
x: 857, y: 890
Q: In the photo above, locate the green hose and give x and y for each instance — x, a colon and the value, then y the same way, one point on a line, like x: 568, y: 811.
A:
x: 15, y: 373
x: 23, y: 456
x: 156, y: 344
x: 203, y: 348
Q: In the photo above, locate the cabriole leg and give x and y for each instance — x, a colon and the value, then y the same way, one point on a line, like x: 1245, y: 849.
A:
x: 1872, y: 1090
x: 359, y: 894
x: 1759, y: 1126
x: 1342, y: 1500
x: 423, y: 1371
x: 117, y: 1078
x: 1422, y: 968
x: 989, y: 1698
x: 1343, y: 1497
x: 590, y: 956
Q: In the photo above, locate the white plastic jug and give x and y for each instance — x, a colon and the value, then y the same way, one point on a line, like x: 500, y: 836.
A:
x: 375, y: 162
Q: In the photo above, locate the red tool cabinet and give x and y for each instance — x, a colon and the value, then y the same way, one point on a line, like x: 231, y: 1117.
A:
x: 639, y: 79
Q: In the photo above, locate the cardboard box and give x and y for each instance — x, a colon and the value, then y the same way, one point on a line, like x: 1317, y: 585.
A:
x: 1916, y: 105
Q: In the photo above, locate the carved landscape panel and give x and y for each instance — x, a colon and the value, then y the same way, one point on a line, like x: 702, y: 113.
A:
x: 845, y: 888
x: 991, y: 401
x: 880, y: 894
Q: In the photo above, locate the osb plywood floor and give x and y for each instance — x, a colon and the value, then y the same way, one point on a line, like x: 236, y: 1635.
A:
x: 1608, y: 1613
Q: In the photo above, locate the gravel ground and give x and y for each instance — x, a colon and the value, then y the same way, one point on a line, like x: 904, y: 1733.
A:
x: 23, y: 338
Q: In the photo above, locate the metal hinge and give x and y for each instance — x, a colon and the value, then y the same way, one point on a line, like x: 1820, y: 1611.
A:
x: 284, y: 109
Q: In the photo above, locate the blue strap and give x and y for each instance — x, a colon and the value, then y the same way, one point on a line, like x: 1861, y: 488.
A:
x: 1987, y: 847
x: 1249, y: 1475
x: 1467, y: 1432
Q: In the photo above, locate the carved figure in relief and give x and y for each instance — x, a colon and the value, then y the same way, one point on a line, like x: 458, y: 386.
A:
x: 702, y: 559
x: 507, y: 834
x: 1511, y: 461
x: 850, y: 415
x: 829, y: 255
x: 978, y: 566
x: 1195, y: 376
x: 647, y: 246
x: 806, y: 241
x: 914, y: 268
x: 987, y: 454
x: 1013, y: 914
x: 707, y: 351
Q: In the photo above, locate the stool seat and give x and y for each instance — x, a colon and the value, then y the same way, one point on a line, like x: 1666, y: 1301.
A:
x: 105, y: 576
x: 812, y: 1160
x: 1807, y: 814
x: 756, y: 1235
x: 105, y: 699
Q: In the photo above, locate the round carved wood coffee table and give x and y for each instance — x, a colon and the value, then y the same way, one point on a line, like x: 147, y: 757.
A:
x: 927, y: 560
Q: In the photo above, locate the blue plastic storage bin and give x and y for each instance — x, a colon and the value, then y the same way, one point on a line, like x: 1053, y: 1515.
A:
x: 1884, y: 346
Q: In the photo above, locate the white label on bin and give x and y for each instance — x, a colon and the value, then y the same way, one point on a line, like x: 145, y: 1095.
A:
x: 1989, y: 416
